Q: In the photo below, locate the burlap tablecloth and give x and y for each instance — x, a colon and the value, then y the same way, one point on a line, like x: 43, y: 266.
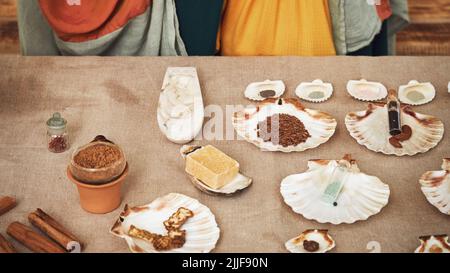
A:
x: 118, y: 97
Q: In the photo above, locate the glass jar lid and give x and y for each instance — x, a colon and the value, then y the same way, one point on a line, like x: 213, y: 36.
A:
x: 56, y: 122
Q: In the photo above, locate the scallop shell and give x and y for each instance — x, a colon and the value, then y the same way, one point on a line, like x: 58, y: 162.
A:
x: 415, y: 93
x: 180, y: 109
x: 202, y: 232
x: 320, y: 125
x: 316, y: 91
x: 371, y: 129
x: 259, y: 91
x: 326, y: 243
x: 362, y: 195
x: 240, y: 183
x: 433, y: 244
x: 436, y: 187
x: 366, y: 91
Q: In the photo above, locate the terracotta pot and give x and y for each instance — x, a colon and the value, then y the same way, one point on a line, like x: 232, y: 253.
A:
x: 100, y: 199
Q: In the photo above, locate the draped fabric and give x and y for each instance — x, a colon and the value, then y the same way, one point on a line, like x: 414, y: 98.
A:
x: 102, y: 27
x: 356, y: 24
x: 277, y: 27
x: 80, y: 21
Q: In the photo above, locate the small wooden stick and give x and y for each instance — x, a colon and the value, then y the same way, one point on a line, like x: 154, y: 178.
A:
x: 6, y: 246
x: 32, y: 240
x: 55, y: 224
x: 54, y: 230
x: 6, y: 204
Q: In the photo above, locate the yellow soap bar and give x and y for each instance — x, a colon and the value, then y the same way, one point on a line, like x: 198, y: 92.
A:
x: 212, y: 167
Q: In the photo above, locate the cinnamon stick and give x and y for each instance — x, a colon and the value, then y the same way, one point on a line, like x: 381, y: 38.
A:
x: 54, y: 230
x: 5, y: 246
x: 32, y: 240
x: 6, y: 204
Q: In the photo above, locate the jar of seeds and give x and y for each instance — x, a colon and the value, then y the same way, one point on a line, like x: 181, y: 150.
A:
x: 57, y: 136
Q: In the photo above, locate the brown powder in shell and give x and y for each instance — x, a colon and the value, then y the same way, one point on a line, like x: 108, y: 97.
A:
x: 97, y: 156
x: 283, y: 129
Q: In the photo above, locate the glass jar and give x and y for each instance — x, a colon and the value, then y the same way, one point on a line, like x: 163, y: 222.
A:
x: 57, y: 136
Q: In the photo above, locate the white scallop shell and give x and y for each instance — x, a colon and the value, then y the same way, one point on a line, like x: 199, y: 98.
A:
x: 253, y: 90
x: 425, y: 91
x: 326, y: 243
x: 361, y: 197
x: 202, y: 232
x: 433, y: 244
x: 316, y: 91
x: 180, y: 111
x: 371, y: 129
x: 239, y: 183
x: 436, y: 187
x: 366, y: 91
x: 320, y: 125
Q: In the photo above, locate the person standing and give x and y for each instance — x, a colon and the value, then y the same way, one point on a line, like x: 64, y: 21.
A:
x: 103, y: 27
x: 276, y: 27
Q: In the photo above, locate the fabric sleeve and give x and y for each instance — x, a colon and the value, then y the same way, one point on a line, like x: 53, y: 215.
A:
x: 399, y: 20
x: 36, y: 36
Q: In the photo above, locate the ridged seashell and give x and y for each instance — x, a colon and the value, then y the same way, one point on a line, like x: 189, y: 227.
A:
x: 180, y: 109
x: 321, y: 237
x: 366, y: 91
x: 202, y: 232
x: 415, y: 93
x: 320, y: 125
x: 259, y: 91
x: 436, y: 187
x: 371, y: 129
x: 361, y: 196
x: 433, y: 244
x: 241, y: 181
x: 316, y: 91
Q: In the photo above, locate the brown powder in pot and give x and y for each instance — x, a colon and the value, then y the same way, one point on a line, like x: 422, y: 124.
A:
x: 97, y: 156
x: 291, y: 131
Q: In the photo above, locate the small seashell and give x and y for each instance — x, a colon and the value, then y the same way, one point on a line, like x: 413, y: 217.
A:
x: 366, y: 91
x: 316, y: 91
x: 371, y: 129
x: 436, y: 185
x: 311, y: 241
x: 239, y: 183
x: 202, y: 232
x: 360, y: 197
x: 415, y: 93
x: 319, y: 125
x: 433, y: 244
x: 259, y: 91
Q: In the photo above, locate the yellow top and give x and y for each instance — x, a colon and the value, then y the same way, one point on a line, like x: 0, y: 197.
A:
x: 276, y: 27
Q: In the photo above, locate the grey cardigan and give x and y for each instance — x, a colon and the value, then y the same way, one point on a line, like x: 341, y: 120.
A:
x: 356, y: 22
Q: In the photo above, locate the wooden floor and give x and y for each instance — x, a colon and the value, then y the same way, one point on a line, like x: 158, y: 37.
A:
x: 9, y: 37
x: 428, y: 34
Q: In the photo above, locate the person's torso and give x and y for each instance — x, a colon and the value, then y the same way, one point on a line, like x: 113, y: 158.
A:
x: 276, y: 27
